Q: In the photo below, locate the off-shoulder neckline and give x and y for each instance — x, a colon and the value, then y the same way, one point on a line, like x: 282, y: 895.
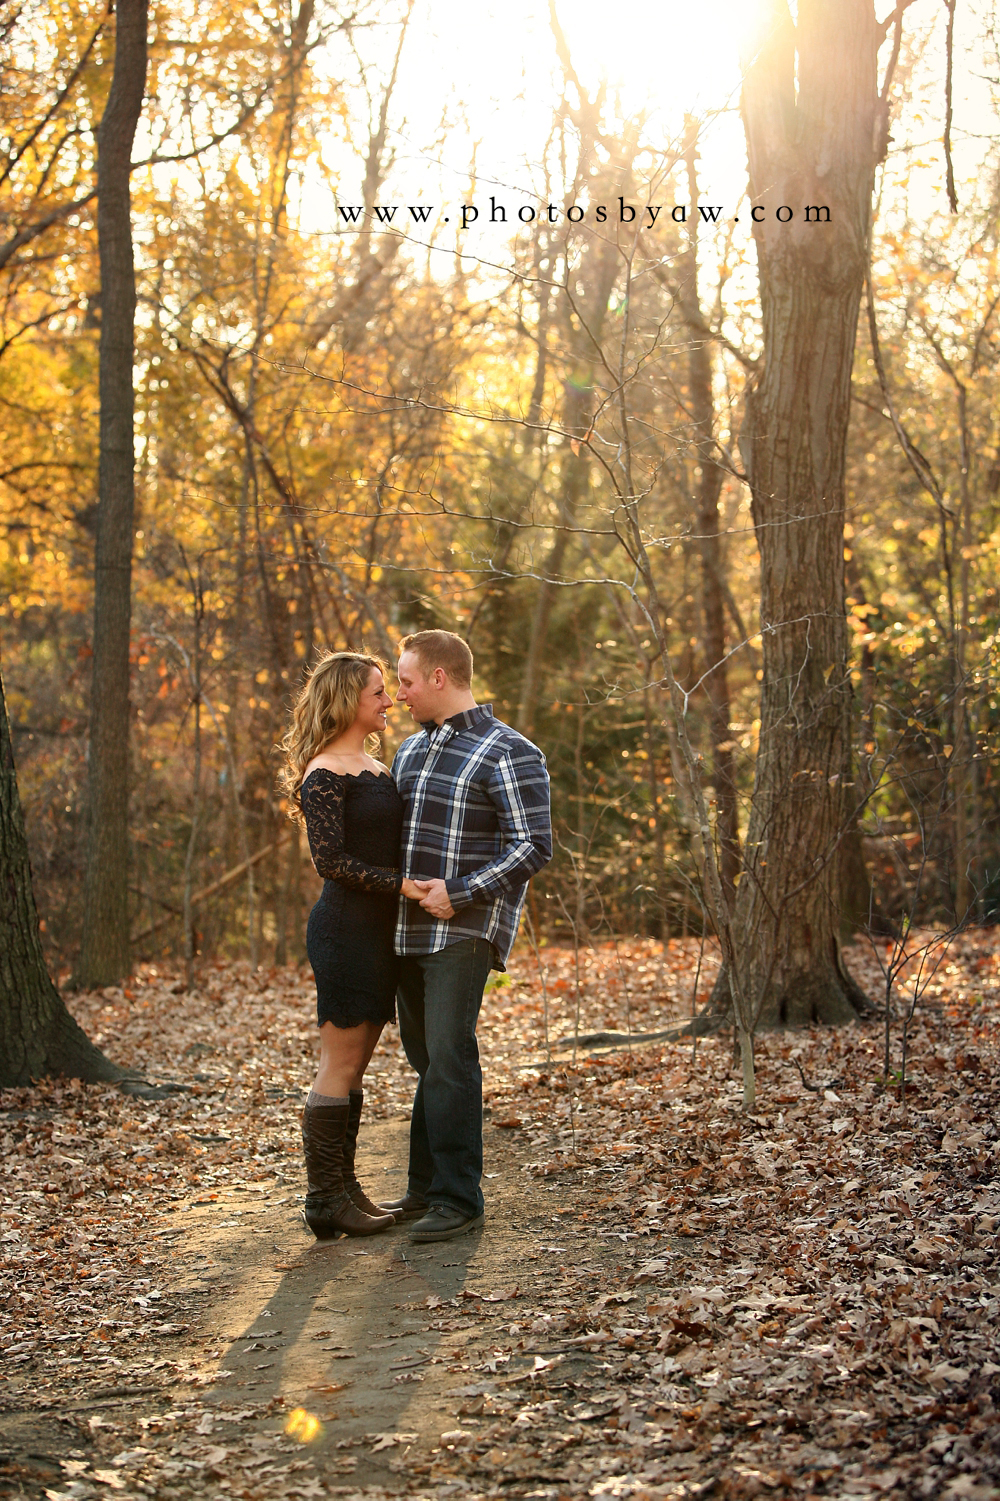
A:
x: 350, y: 776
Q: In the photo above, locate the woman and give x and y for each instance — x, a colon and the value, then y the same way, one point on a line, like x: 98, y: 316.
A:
x: 353, y: 816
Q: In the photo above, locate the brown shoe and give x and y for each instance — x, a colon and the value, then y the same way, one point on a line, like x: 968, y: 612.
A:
x: 410, y: 1207
x: 358, y: 1197
x: 329, y: 1210
x: 329, y: 1215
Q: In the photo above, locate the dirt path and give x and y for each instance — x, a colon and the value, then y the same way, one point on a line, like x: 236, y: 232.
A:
x: 383, y: 1359
x: 670, y: 1298
x: 380, y: 1336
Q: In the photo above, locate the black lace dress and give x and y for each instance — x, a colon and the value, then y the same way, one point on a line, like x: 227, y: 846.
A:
x: 354, y: 825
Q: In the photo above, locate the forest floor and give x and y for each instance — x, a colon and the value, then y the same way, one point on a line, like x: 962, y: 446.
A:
x: 670, y: 1298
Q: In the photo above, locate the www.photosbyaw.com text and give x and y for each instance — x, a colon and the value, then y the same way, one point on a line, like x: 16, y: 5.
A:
x: 644, y: 216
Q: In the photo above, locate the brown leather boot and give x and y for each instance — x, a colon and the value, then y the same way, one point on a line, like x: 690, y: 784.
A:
x: 357, y: 1194
x: 411, y: 1206
x: 329, y: 1208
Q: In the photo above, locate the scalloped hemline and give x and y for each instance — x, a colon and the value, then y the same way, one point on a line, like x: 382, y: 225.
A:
x: 343, y: 1019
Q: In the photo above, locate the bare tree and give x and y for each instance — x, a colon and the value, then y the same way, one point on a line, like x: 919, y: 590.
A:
x: 104, y: 958
x: 710, y: 476
x: 815, y: 130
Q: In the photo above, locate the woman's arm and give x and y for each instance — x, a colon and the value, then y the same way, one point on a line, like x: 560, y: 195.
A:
x: 323, y: 808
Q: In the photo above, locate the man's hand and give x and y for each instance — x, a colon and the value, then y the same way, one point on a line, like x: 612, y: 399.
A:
x: 435, y: 899
x: 414, y: 890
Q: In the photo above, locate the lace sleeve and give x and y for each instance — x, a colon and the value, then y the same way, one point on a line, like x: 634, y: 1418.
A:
x: 323, y: 809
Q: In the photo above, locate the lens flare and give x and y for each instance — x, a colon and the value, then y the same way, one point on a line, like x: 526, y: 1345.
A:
x: 302, y: 1425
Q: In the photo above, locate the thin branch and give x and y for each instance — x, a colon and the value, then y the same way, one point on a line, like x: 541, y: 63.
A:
x: 60, y: 98
x: 920, y: 466
x: 31, y: 232
x: 698, y: 325
x: 950, y: 48
x: 213, y: 140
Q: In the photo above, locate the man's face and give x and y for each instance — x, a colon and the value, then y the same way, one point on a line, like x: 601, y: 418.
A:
x: 419, y: 693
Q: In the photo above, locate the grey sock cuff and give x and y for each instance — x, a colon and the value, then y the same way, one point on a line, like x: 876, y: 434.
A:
x: 315, y: 1099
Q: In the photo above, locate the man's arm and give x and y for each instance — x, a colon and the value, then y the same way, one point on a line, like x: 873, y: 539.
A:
x: 519, y: 791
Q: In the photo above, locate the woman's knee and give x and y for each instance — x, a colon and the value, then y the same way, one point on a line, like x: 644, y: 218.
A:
x: 349, y: 1046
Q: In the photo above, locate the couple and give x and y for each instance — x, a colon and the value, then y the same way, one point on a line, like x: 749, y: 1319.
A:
x: 426, y: 868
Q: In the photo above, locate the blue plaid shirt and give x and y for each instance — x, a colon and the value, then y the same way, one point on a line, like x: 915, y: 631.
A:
x: 476, y: 797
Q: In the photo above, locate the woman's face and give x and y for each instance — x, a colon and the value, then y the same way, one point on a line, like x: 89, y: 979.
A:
x: 373, y: 705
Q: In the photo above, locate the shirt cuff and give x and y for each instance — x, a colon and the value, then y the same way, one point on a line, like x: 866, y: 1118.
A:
x: 458, y: 892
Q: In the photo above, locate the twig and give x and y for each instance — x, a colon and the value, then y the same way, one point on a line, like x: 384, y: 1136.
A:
x: 694, y: 994
x: 950, y: 48
x: 541, y: 977
x: 812, y: 1088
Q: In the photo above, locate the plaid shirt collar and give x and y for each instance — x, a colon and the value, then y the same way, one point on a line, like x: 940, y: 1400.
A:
x: 466, y: 720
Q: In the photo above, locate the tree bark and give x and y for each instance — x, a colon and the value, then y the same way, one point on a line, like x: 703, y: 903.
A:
x: 104, y: 958
x: 37, y: 1034
x: 814, y: 145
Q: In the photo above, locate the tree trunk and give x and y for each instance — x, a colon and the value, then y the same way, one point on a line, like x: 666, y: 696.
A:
x: 104, y: 959
x: 194, y: 665
x: 710, y: 477
x: 582, y: 327
x: 662, y: 929
x: 860, y: 911
x: 966, y: 868
x: 577, y: 416
x: 812, y: 146
x: 860, y: 906
x: 37, y: 1034
x: 287, y: 909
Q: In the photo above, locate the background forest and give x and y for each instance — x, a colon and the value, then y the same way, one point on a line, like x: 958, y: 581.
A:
x: 346, y: 431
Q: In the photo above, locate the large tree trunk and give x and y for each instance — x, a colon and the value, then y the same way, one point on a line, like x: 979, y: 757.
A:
x: 815, y: 145
x: 37, y: 1034
x: 105, y: 955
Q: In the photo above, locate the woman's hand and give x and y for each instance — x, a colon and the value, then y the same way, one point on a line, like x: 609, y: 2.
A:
x: 415, y: 890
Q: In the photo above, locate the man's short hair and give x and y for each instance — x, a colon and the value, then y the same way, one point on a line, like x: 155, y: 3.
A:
x: 441, y: 649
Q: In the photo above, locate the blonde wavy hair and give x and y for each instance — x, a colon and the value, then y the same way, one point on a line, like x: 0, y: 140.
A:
x: 326, y: 707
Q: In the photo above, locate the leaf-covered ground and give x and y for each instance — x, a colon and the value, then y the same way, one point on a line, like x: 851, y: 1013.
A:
x: 671, y: 1298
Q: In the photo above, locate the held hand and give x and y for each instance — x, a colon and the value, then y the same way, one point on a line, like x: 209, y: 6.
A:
x: 415, y: 890
x: 435, y: 900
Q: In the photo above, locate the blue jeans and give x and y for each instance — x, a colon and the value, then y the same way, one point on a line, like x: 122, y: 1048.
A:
x: 439, y: 997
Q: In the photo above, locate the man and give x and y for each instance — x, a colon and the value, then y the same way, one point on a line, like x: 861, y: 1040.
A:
x: 476, y: 828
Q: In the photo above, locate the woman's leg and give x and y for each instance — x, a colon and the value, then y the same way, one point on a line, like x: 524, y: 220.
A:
x: 329, y: 1131
x: 339, y: 1057
x: 344, y: 1054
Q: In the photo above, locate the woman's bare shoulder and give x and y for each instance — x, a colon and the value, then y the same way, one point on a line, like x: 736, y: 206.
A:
x: 344, y: 766
x: 327, y: 761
